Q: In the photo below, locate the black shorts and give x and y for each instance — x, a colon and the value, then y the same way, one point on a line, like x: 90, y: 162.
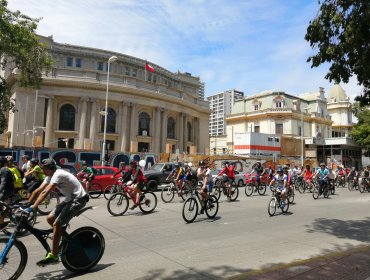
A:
x: 65, y: 211
x: 32, y: 186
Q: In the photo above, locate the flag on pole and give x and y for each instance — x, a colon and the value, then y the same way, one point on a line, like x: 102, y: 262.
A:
x: 149, y: 67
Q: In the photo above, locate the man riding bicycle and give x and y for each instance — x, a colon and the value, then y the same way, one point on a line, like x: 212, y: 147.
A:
x: 281, y: 179
x: 125, y: 173
x: 178, y: 174
x: 228, y: 170
x: 259, y: 170
x: 6, y: 186
x: 34, y: 176
x: 322, y: 173
x: 204, y: 175
x: 138, y: 181
x: 86, y: 175
x: 75, y: 199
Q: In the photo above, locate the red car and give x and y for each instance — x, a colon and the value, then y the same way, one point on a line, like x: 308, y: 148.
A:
x: 104, y: 175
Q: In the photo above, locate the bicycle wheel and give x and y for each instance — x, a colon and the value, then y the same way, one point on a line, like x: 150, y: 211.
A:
x: 261, y: 189
x: 109, y: 191
x: 248, y: 189
x: 9, y: 216
x: 361, y: 187
x: 118, y: 204
x: 190, y: 209
x: 217, y: 189
x: 326, y: 192
x: 148, y: 202
x: 301, y: 186
x: 95, y: 190
x: 291, y: 196
x: 332, y: 189
x: 50, y: 202
x: 15, y: 260
x: 234, y: 193
x: 168, y: 193
x: 350, y: 186
x: 83, y: 250
x: 272, y: 206
x: 186, y: 192
x: 211, y: 206
x: 315, y: 192
x: 284, y: 205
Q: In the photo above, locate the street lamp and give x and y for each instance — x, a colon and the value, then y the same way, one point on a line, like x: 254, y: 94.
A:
x: 111, y: 59
x: 302, y: 134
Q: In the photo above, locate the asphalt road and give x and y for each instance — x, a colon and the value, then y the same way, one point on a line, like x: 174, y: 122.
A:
x: 241, y: 238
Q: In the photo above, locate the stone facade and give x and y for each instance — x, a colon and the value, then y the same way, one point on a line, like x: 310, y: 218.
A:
x: 156, y: 112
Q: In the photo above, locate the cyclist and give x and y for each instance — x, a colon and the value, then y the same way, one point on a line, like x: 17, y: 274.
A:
x: 259, y: 170
x: 86, y: 175
x: 34, y: 176
x: 308, y: 175
x: 6, y: 186
x: 125, y: 172
x: 75, y: 199
x: 17, y: 173
x: 178, y: 174
x: 228, y: 170
x: 26, y: 163
x: 281, y: 179
x: 340, y: 173
x: 204, y: 175
x: 138, y: 181
x: 322, y: 173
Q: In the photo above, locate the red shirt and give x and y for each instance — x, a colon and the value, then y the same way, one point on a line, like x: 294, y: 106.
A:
x: 229, y: 171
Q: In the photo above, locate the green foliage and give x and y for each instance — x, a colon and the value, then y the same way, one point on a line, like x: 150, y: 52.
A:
x: 360, y: 132
x: 340, y: 36
x: 19, y: 49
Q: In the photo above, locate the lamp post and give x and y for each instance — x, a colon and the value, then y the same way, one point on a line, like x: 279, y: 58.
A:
x: 302, y: 134
x: 111, y: 59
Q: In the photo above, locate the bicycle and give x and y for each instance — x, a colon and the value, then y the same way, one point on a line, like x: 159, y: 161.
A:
x: 277, y: 202
x: 112, y: 189
x: 194, y: 202
x: 168, y: 192
x: 220, y: 187
x: 316, y: 190
x: 118, y: 203
x: 79, y: 251
x: 364, y: 185
x: 253, y: 186
x: 353, y: 183
x: 304, y: 185
x: 95, y: 189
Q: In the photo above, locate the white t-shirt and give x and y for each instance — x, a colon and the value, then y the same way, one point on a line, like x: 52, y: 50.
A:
x: 208, y: 173
x: 67, y: 184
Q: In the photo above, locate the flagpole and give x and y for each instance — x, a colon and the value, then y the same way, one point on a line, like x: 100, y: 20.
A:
x: 145, y: 70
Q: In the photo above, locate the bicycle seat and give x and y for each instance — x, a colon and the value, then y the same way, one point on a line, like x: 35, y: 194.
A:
x: 83, y: 210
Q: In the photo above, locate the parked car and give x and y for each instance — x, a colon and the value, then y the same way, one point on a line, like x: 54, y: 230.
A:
x: 104, y: 175
x: 240, y: 179
x: 158, y: 173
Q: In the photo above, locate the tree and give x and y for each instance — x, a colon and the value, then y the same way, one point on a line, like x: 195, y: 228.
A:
x: 20, y: 49
x: 340, y: 33
x: 360, y: 132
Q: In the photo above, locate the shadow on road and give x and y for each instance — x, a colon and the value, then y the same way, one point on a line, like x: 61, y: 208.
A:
x: 357, y: 230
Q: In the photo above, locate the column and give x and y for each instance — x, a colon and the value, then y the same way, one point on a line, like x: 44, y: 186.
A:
x: 133, y: 128
x: 49, y: 137
x: 157, y: 130
x: 196, y: 133
x: 164, y: 130
x: 82, y: 131
x: 93, y: 118
x: 123, y: 127
x: 180, y: 137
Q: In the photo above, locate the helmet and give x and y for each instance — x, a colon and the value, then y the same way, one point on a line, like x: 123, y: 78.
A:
x: 3, y: 160
x: 258, y: 162
x: 285, y: 167
x: 225, y: 162
x: 133, y: 162
x: 322, y: 164
x: 49, y: 163
x: 279, y: 170
x: 9, y: 158
x: 34, y: 161
x: 177, y: 165
x: 202, y: 163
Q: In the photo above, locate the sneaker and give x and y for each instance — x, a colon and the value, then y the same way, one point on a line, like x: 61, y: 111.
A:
x: 49, y: 259
x: 133, y: 207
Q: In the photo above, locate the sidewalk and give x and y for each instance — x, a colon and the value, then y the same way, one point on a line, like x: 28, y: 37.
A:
x: 346, y: 265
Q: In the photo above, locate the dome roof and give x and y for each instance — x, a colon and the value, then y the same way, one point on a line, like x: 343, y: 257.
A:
x: 337, y: 94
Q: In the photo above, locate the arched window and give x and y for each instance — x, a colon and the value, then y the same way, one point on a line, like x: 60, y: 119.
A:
x: 171, y: 128
x: 190, y: 132
x: 111, y: 121
x: 144, y: 124
x: 67, y: 117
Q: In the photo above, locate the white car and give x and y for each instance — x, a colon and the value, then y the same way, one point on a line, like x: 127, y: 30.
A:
x: 239, y: 177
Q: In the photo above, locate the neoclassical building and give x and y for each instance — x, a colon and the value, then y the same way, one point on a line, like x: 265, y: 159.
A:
x: 157, y: 112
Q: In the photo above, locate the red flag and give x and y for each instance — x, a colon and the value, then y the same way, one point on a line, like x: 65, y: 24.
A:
x: 149, y: 67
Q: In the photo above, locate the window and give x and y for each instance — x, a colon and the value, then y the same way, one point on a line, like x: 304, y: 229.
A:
x: 279, y: 104
x: 190, y: 132
x: 100, y: 66
x: 277, y: 140
x: 143, y: 147
x: 78, y: 62
x: 149, y: 77
x: 111, y: 121
x: 70, y: 61
x: 279, y: 128
x: 110, y: 144
x: 134, y: 72
x: 171, y: 127
x: 127, y: 71
x: 144, y: 124
x: 299, y: 130
x: 154, y: 78
x: 67, y: 117
x: 269, y: 139
x: 256, y: 107
x: 257, y: 128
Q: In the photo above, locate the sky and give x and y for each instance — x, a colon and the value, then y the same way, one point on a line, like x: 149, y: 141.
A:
x: 247, y: 45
